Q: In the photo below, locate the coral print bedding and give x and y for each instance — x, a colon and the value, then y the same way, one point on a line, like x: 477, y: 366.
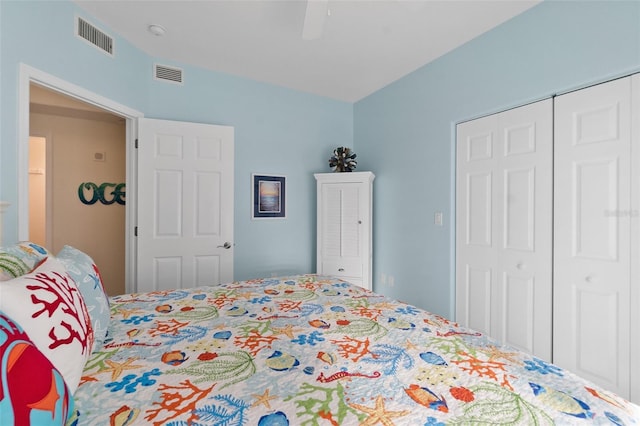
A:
x: 310, y: 350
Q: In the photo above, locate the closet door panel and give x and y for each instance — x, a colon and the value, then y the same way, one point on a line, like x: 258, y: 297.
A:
x: 635, y: 241
x: 592, y: 244
x: 593, y: 353
x: 476, y: 252
x: 595, y: 203
x: 519, y: 209
x: 503, y: 244
x: 478, y: 297
x: 478, y: 215
x: 525, y: 146
x: 518, y: 327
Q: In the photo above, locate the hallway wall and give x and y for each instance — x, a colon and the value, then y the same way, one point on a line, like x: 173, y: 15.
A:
x: 97, y: 229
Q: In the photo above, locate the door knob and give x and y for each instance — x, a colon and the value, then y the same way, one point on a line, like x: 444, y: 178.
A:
x: 521, y: 266
x: 226, y: 245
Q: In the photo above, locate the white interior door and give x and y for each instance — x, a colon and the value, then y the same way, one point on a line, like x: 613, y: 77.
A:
x: 185, y: 204
x: 503, y: 227
x: 592, y: 215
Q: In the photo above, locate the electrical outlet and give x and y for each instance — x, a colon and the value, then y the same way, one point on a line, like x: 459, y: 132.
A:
x: 383, y: 278
x: 392, y: 281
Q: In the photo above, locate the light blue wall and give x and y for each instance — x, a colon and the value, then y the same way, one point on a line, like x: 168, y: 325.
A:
x: 41, y: 34
x: 405, y: 132
x: 277, y: 130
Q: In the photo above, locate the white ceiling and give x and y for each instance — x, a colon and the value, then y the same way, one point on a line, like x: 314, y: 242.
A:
x: 363, y: 45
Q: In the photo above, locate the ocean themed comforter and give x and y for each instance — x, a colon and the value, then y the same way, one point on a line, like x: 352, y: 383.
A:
x: 309, y: 350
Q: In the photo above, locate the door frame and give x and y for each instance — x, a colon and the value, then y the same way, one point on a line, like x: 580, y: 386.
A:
x: 28, y: 75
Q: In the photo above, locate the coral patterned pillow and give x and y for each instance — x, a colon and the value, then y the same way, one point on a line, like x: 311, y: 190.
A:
x: 32, y: 391
x: 49, y: 307
x: 85, y: 273
x: 20, y: 259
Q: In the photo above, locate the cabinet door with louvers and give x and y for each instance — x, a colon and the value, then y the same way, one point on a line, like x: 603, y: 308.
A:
x: 344, y: 226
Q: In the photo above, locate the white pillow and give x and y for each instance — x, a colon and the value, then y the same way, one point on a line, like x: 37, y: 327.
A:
x: 49, y: 307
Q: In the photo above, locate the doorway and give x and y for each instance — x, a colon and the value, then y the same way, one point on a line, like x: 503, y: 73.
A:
x: 30, y: 77
x: 77, y: 173
x: 207, y: 208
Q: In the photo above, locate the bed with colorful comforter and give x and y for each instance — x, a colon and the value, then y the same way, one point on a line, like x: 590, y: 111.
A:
x: 311, y: 350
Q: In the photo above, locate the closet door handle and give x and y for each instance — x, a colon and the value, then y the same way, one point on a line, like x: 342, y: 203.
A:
x: 340, y: 269
x: 521, y: 266
x: 590, y: 278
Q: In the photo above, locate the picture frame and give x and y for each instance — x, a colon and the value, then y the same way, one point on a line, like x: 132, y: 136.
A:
x: 268, y: 196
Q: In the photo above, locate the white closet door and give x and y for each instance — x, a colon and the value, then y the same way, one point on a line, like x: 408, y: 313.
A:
x: 592, y: 233
x: 635, y: 240
x: 525, y: 218
x: 503, y: 227
x: 476, y: 225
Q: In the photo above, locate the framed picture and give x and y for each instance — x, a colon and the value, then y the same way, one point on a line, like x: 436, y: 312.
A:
x: 269, y: 197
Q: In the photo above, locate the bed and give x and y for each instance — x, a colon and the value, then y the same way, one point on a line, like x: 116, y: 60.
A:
x: 313, y: 350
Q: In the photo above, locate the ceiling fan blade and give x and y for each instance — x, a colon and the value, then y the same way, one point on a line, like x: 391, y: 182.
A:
x: 314, y: 19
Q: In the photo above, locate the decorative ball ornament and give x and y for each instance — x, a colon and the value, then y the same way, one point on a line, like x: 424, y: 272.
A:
x: 343, y: 160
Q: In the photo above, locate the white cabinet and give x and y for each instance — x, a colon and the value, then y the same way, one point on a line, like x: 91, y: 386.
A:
x: 581, y: 304
x: 344, y: 221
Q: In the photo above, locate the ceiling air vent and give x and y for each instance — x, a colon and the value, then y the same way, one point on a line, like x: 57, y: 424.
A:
x: 94, y: 36
x: 170, y: 74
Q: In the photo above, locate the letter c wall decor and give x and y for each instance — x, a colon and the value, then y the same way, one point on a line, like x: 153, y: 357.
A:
x: 98, y: 193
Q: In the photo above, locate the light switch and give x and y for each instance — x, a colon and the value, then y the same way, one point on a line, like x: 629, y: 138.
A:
x: 437, y: 218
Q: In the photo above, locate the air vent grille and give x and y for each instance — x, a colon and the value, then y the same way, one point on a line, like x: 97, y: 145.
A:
x: 94, y: 36
x: 170, y: 74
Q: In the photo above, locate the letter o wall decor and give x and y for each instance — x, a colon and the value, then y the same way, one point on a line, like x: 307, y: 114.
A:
x: 90, y: 193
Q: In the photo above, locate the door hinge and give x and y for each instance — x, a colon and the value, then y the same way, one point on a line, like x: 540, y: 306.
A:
x: 136, y: 143
x: 135, y: 231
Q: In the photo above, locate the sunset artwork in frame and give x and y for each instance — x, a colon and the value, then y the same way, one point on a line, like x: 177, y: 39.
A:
x: 268, y: 197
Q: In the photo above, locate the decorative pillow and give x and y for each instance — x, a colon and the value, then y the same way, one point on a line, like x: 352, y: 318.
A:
x: 32, y: 391
x: 49, y: 307
x: 85, y: 273
x: 20, y: 259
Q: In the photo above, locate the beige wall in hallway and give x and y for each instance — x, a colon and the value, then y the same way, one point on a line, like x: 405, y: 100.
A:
x: 98, y: 229
x: 37, y: 190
